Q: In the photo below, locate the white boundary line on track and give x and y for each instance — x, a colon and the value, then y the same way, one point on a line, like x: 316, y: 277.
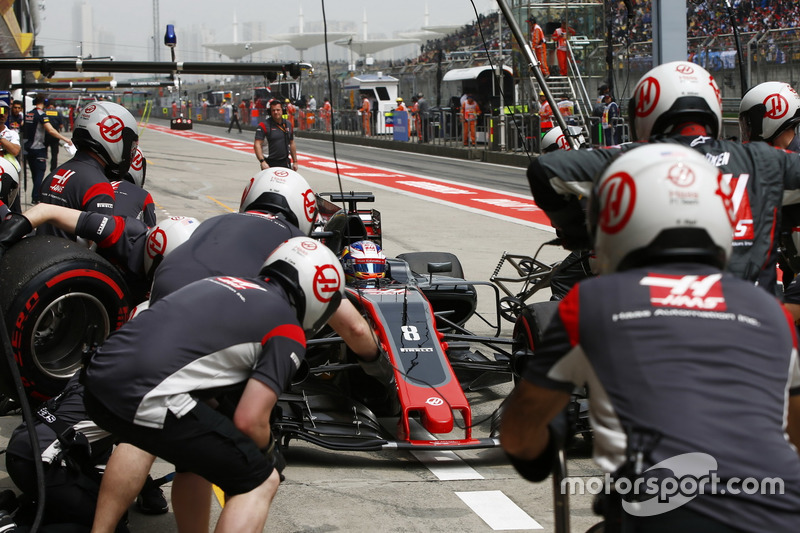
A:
x: 498, y: 511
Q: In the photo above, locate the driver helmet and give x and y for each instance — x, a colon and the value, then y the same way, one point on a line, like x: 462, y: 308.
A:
x: 138, y: 171
x: 661, y: 202
x: 555, y: 140
x: 282, y: 191
x: 9, y: 182
x: 165, y: 237
x: 671, y: 94
x: 767, y: 110
x: 110, y: 131
x: 363, y: 260
x: 311, y: 275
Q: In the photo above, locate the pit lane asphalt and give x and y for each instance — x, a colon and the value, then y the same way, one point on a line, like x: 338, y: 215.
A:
x: 374, y: 491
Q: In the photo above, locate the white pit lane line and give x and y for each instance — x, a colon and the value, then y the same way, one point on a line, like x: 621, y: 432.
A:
x: 493, y: 507
x: 498, y: 511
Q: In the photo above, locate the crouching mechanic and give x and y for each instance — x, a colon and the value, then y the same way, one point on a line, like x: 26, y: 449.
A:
x: 277, y: 204
x: 210, y: 339
x: 74, y: 450
x: 669, y: 346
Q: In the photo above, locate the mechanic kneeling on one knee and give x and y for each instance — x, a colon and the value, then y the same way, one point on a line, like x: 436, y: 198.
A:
x: 216, y: 338
x: 74, y: 451
x: 688, y: 368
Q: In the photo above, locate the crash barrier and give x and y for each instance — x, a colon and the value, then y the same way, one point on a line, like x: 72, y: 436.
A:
x: 513, y: 132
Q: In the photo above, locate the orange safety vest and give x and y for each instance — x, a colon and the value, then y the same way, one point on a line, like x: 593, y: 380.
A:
x: 471, y: 111
x: 538, y: 36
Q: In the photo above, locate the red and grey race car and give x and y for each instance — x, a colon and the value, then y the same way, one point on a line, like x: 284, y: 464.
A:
x: 418, y: 312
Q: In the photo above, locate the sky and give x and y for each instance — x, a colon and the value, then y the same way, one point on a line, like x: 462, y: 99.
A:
x: 128, y: 31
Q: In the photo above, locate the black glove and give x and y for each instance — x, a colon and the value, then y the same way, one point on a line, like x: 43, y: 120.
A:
x: 13, y: 229
x: 273, y: 454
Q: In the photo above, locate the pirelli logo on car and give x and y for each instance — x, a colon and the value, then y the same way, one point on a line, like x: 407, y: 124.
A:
x: 416, y: 350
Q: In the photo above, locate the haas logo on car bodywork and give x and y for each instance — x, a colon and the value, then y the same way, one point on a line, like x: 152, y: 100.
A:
x: 686, y: 292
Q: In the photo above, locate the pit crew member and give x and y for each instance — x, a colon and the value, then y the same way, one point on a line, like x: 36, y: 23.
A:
x: 176, y: 357
x: 669, y: 346
x: 106, y: 138
x: 679, y: 103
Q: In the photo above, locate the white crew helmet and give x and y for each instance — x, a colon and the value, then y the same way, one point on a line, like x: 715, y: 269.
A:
x: 311, y: 273
x: 282, y: 191
x: 767, y: 110
x: 660, y: 202
x: 110, y: 131
x: 671, y: 94
x: 165, y: 237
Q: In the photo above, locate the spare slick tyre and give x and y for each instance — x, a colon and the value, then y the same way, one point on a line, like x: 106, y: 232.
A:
x: 58, y: 298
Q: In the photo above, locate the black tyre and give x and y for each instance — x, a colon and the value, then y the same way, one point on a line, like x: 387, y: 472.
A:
x: 57, y: 298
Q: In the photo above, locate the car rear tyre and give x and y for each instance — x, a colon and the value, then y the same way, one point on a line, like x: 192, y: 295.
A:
x: 58, y: 298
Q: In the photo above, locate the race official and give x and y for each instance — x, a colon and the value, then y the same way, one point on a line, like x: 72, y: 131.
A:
x: 469, y: 114
x: 689, y: 370
x: 274, y: 143
x: 36, y: 128
x: 561, y: 35
x: 176, y: 358
x: 539, y: 45
x: 688, y: 111
x: 366, y: 116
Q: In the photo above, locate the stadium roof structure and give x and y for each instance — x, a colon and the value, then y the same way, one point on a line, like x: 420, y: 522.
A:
x: 364, y: 47
x: 304, y: 41
x: 238, y: 50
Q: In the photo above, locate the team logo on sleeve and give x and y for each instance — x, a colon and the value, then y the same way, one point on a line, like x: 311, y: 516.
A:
x: 238, y: 283
x: 60, y: 180
x: 686, y: 292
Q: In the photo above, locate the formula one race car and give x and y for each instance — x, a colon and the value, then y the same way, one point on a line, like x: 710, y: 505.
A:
x: 418, y: 318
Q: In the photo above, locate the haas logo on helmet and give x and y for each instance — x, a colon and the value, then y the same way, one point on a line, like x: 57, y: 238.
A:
x: 562, y: 143
x: 776, y: 105
x: 137, y: 160
x: 681, y: 175
x: 309, y: 205
x: 111, y: 129
x: 247, y: 190
x: 647, y: 95
x: 618, y: 197
x: 89, y: 108
x: 156, y: 243
x: 280, y: 173
x: 326, y: 282
x: 685, y: 69
x: 308, y: 245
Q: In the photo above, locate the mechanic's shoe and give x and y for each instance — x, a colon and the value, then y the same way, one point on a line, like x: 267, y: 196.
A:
x: 9, y: 406
x: 151, y: 499
x: 7, y: 523
x: 380, y: 368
